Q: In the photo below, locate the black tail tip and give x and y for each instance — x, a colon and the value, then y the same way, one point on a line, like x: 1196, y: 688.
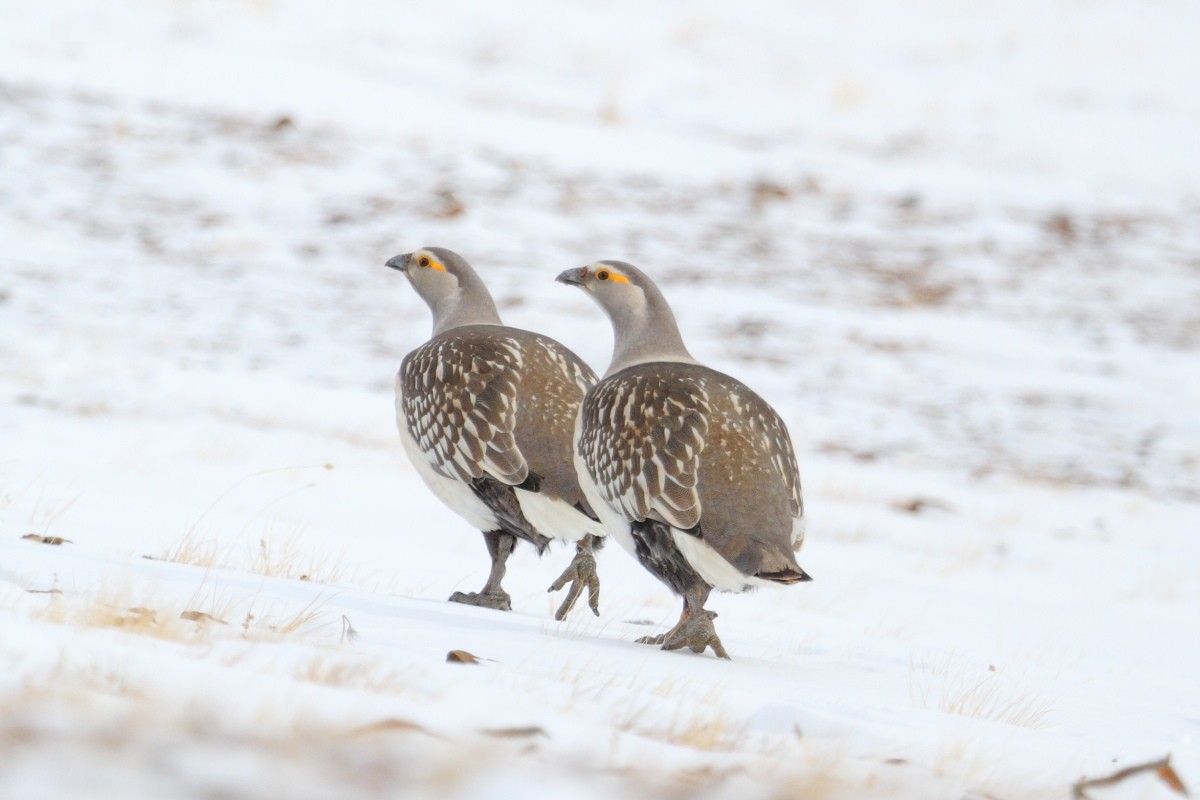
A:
x: 786, y: 577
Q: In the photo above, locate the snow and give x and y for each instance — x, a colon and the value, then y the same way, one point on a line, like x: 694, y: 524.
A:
x: 956, y: 245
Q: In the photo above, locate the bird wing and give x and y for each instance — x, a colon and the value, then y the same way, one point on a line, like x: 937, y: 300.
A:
x: 766, y: 422
x: 641, y: 438
x: 459, y: 399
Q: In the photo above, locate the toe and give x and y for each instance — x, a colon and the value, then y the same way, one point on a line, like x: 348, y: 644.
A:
x: 500, y: 601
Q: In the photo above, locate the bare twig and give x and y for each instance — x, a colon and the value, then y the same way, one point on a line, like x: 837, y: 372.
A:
x: 392, y: 725
x: 1162, y: 768
x: 515, y: 733
x: 37, y: 537
x: 348, y: 632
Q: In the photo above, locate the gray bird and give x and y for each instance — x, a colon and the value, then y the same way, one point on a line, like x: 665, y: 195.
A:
x: 688, y: 469
x: 486, y: 414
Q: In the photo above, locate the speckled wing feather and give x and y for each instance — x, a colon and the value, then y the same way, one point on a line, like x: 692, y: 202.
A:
x: 776, y: 441
x: 458, y: 397
x: 641, y: 439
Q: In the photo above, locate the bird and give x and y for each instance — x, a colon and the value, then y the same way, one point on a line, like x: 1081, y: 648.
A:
x: 486, y: 415
x: 689, y: 470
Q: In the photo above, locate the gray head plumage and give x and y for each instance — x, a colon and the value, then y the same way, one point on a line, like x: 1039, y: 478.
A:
x: 449, y: 286
x: 644, y: 326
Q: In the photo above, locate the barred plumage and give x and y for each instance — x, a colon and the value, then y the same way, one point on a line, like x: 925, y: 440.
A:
x: 486, y: 415
x: 698, y: 450
x: 459, y: 400
x: 642, y: 440
x: 689, y: 469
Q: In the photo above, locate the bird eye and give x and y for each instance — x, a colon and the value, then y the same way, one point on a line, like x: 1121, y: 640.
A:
x: 423, y: 261
x: 602, y: 275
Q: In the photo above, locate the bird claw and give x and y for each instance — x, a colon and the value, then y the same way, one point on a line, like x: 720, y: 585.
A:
x: 497, y: 600
x: 696, y: 633
x: 580, y: 573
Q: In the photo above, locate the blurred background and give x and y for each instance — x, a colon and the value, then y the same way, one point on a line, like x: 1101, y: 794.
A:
x: 962, y: 234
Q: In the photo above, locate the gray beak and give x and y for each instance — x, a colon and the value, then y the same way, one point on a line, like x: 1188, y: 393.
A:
x: 573, y: 277
x: 399, y: 262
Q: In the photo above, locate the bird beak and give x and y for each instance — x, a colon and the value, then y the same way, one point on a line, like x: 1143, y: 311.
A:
x: 399, y: 262
x: 573, y: 277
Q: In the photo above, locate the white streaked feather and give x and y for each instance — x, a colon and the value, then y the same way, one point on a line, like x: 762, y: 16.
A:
x: 712, y: 566
x: 457, y: 496
x: 799, y: 525
x: 554, y: 518
x: 614, y: 522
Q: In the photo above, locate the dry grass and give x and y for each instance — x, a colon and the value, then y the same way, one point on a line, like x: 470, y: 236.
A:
x: 48, y: 510
x: 118, y: 607
x: 204, y: 614
x: 327, y: 669
x: 707, y: 731
x: 280, y: 555
x: 276, y: 554
x: 193, y: 549
x: 71, y: 680
x: 141, y: 745
x: 967, y: 689
x: 272, y: 621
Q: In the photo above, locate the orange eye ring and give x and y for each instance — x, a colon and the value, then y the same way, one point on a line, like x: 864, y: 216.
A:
x: 602, y: 275
x: 423, y: 261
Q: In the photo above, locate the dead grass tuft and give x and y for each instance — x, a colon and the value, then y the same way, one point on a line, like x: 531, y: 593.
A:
x: 48, y: 510
x: 353, y: 673
x: 194, y: 621
x: 275, y: 554
x: 707, y: 732
x: 272, y: 622
x: 281, y: 556
x: 192, y: 549
x: 955, y: 686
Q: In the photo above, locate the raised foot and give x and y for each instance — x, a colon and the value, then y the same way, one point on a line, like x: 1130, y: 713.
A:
x: 499, y: 601
x: 695, y: 633
x: 579, y: 573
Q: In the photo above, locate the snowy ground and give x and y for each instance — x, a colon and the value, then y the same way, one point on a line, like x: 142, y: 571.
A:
x: 957, y: 246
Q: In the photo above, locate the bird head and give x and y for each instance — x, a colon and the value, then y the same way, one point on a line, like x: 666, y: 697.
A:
x: 434, y: 272
x: 643, y: 324
x: 618, y: 287
x: 448, y: 285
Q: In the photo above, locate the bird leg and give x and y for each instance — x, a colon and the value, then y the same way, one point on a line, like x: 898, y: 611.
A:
x: 695, y: 627
x: 580, y: 572
x: 500, y: 546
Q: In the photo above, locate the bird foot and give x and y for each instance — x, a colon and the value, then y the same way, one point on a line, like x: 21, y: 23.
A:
x: 580, y: 573
x: 696, y: 633
x: 497, y: 600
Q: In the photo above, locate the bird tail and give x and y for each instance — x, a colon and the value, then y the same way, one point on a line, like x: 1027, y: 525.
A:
x: 786, y: 576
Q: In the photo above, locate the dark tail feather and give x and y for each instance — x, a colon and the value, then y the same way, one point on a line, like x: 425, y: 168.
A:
x: 502, y: 500
x: 786, y: 576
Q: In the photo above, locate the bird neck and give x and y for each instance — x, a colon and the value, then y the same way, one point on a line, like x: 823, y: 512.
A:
x: 646, y: 333
x: 470, y: 304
